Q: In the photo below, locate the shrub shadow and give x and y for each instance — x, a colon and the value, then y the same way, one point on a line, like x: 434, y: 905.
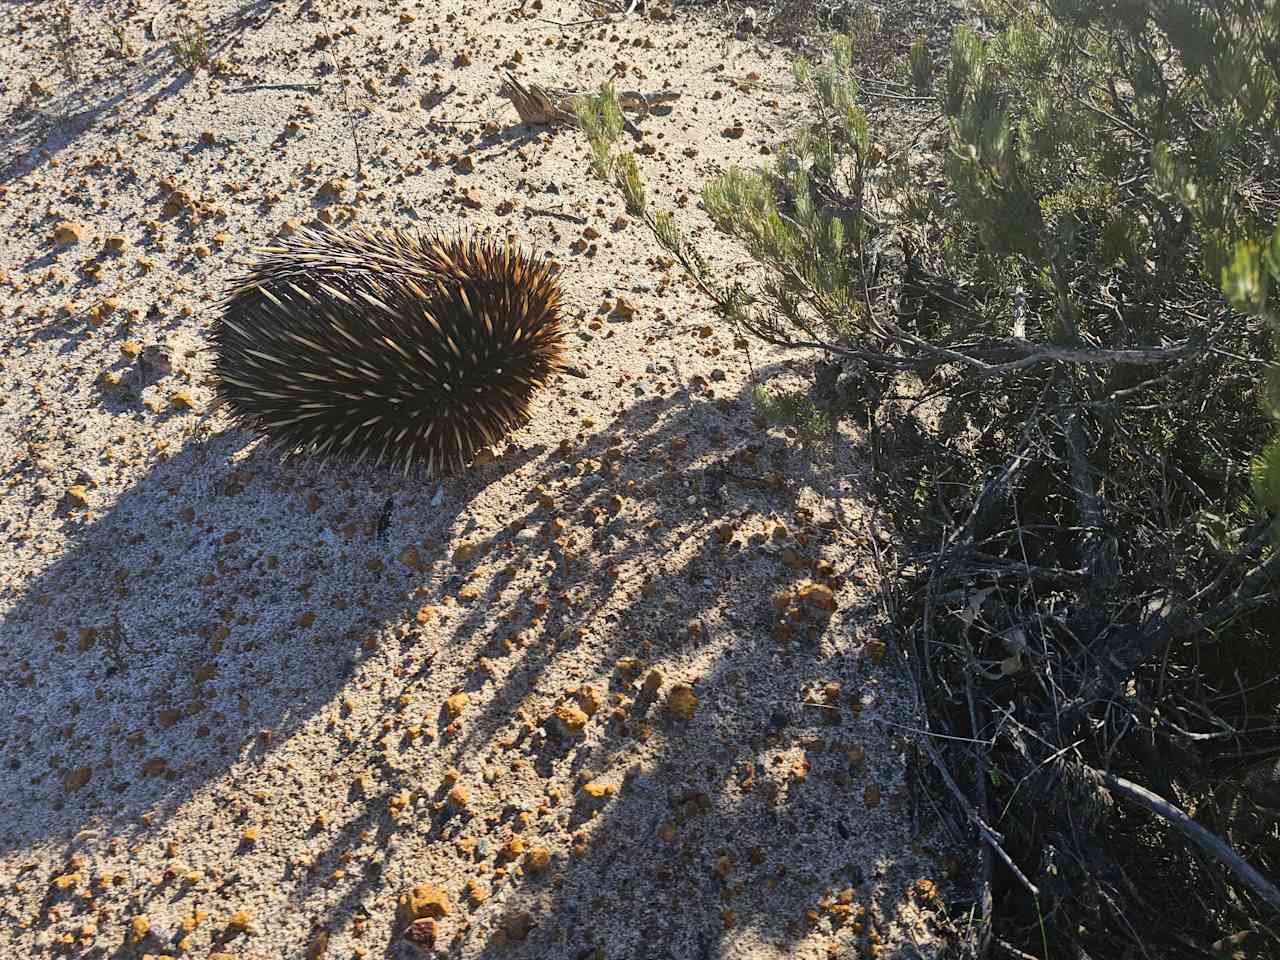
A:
x: 649, y: 537
x: 131, y: 626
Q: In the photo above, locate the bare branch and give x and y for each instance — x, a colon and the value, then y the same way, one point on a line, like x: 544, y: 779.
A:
x: 990, y: 836
x: 537, y: 104
x: 1216, y: 847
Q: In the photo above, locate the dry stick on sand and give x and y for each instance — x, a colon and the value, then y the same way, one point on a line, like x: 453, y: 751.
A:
x: 575, y: 23
x: 346, y: 96
x: 607, y: 18
x: 253, y: 87
x: 542, y: 105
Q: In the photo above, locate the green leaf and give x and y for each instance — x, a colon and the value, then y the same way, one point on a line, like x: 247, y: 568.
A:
x: 1242, y: 278
x: 1265, y: 471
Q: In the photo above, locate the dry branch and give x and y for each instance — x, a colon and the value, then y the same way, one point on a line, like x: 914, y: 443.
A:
x: 1217, y: 848
x: 537, y: 104
x: 991, y: 837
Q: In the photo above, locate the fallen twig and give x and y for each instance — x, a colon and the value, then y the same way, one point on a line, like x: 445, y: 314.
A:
x: 575, y: 23
x: 606, y: 18
x: 556, y: 214
x: 542, y: 105
x: 988, y: 834
x: 986, y: 899
x: 274, y: 86
x: 1013, y: 951
x: 346, y: 96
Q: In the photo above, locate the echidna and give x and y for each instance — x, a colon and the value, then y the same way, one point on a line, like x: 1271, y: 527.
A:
x: 412, y: 350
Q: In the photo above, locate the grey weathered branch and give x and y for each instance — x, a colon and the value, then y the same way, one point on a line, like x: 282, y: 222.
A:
x: 1212, y: 844
x: 989, y: 358
x: 1003, y: 356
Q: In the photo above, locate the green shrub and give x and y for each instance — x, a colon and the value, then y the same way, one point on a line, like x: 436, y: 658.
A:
x: 1089, y: 300
x: 920, y: 65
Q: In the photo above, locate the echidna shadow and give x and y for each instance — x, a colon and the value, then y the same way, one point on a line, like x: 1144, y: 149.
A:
x: 412, y: 352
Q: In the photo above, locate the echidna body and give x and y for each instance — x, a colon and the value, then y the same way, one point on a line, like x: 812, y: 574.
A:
x: 412, y: 351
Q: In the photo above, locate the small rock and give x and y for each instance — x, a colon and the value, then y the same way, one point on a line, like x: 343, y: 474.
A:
x: 589, y: 699
x: 139, y: 927
x: 517, y: 925
x: 817, y: 595
x: 67, y: 232
x: 682, y: 701
x: 537, y: 860
x: 423, y: 901
x: 570, y: 718
x: 422, y: 933
x: 333, y: 188
x: 176, y: 202
x: 239, y: 921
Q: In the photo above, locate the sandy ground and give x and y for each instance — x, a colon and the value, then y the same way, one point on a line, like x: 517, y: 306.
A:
x: 246, y: 717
